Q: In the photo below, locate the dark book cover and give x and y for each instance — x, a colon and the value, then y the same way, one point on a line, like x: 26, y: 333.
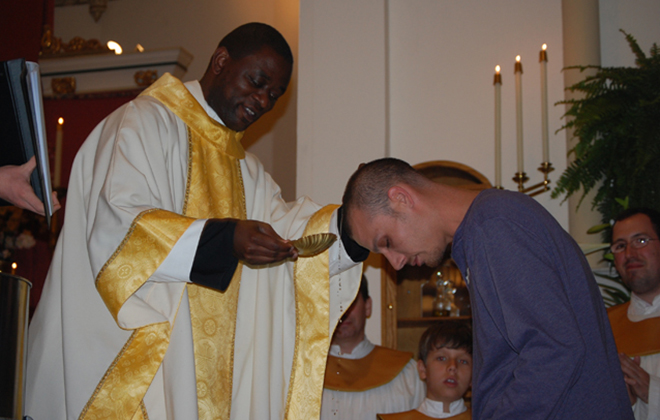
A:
x: 22, y: 132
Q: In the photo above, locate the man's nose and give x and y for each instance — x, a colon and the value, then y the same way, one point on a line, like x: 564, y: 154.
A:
x: 398, y: 261
x: 629, y: 250
x: 263, y: 99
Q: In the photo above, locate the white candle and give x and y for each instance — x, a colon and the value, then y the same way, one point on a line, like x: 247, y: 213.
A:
x: 497, y: 82
x: 519, y: 121
x: 543, y: 59
x: 57, y: 176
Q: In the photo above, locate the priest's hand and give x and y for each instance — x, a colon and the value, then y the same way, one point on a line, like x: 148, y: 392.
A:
x: 636, y: 378
x: 257, y: 243
x: 15, y: 187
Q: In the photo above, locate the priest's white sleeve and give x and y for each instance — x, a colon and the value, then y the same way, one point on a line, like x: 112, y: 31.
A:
x: 158, y: 299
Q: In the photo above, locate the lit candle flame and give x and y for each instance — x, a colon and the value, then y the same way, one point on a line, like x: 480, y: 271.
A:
x: 518, y: 58
x: 497, y: 69
x: 60, y: 121
x: 14, y: 266
x: 114, y: 46
x: 139, y: 48
x: 544, y: 47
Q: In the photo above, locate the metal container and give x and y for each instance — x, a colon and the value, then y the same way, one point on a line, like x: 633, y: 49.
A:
x: 14, y: 306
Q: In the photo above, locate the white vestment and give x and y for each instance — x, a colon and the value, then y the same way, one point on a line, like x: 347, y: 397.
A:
x: 639, y: 310
x: 405, y: 392
x: 136, y: 160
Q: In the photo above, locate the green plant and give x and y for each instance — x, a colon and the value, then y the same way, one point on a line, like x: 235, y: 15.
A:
x: 617, y: 124
x: 613, y: 295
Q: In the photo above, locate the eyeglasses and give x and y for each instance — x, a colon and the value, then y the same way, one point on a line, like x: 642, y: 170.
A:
x: 637, y: 243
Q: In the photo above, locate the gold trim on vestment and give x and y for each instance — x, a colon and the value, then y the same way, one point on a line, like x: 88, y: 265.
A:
x: 312, y: 286
x: 634, y: 338
x: 214, y: 190
x: 143, y: 412
x: 149, y: 240
x: 376, y: 369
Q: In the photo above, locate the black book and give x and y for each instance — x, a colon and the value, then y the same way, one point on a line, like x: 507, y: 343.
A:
x: 22, y: 127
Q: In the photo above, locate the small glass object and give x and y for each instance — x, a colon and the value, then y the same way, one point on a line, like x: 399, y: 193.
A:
x: 444, y: 302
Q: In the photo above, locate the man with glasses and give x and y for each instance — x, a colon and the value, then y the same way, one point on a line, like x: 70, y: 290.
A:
x: 636, y: 324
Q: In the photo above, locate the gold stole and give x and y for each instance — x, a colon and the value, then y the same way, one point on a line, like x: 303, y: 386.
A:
x: 377, y: 368
x: 311, y: 277
x: 634, y: 338
x: 214, y: 190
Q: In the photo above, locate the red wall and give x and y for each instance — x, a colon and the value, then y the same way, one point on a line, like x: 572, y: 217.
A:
x: 80, y: 118
x: 21, y: 23
x: 21, y: 26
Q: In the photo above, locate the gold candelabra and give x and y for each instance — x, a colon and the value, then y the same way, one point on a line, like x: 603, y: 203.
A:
x: 536, y: 189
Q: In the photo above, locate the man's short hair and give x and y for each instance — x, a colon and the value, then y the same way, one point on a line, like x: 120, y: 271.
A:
x: 448, y: 334
x: 652, y: 214
x: 252, y: 37
x: 367, y: 188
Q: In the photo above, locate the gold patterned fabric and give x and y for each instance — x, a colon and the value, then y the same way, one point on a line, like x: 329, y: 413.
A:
x: 214, y: 190
x: 312, y: 333
x: 120, y: 392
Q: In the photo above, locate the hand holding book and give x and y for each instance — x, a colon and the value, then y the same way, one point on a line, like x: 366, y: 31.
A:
x: 23, y: 139
x: 15, y: 187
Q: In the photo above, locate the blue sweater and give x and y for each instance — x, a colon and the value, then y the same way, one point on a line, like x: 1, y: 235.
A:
x: 543, y: 347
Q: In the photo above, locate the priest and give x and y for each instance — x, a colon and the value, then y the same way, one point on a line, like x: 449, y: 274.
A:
x: 174, y: 291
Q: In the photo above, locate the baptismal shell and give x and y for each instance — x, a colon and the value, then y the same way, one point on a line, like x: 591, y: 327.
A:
x: 308, y: 246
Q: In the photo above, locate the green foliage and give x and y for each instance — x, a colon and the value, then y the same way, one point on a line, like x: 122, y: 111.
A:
x: 613, y: 295
x: 618, y: 126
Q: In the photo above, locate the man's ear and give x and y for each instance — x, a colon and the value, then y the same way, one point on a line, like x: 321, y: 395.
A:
x: 368, y: 306
x: 219, y: 59
x: 421, y: 369
x: 400, y: 197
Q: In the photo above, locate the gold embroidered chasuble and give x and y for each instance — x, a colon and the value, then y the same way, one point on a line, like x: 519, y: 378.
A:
x: 214, y: 190
x: 634, y: 338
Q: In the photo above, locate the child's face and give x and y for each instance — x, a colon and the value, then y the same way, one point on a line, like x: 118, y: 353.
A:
x: 448, y: 374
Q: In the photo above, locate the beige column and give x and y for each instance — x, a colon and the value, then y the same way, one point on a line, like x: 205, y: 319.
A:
x: 581, y: 34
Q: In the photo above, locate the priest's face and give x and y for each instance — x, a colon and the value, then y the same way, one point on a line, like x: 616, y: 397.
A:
x: 639, y: 267
x: 241, y: 90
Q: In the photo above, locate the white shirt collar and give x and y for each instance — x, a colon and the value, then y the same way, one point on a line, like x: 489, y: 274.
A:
x: 435, y: 409
x: 360, y: 351
x: 195, y: 90
x: 640, y: 309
